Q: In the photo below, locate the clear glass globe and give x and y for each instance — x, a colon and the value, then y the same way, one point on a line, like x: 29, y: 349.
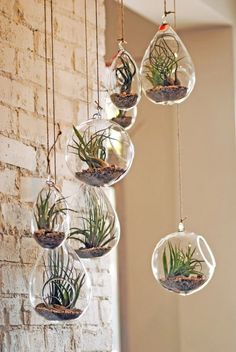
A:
x: 167, y: 70
x: 95, y: 228
x: 125, y: 85
x: 183, y: 263
x: 50, y: 221
x: 124, y: 118
x: 99, y: 152
x: 60, y: 287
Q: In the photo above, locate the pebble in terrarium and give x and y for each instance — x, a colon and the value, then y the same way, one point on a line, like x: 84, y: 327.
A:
x: 95, y: 228
x: 60, y: 288
x: 99, y: 152
x: 182, y: 262
x: 124, y: 118
x: 50, y: 222
x: 125, y: 85
x: 167, y: 71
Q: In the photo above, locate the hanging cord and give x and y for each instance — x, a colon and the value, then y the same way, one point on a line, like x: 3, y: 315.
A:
x: 86, y: 56
x: 179, y: 164
x: 166, y: 12
x: 46, y: 82
x: 99, y: 108
x: 122, y: 23
x: 55, y: 137
x: 181, y: 211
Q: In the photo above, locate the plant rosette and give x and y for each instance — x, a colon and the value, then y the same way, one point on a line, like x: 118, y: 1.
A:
x: 125, y: 85
x: 99, y: 152
x: 167, y: 71
x: 95, y: 228
x: 183, y: 263
x: 60, y: 288
x: 50, y: 222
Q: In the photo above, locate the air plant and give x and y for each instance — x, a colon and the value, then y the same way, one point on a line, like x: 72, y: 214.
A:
x: 48, y: 215
x: 125, y: 73
x: 162, y: 63
x: 181, y: 263
x: 63, y: 285
x: 90, y: 147
x: 97, y: 227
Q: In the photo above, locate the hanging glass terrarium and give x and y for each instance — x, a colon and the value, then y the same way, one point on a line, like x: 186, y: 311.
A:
x: 125, y: 85
x: 124, y: 118
x: 99, y: 152
x: 182, y: 262
x: 50, y: 222
x: 167, y: 71
x: 60, y: 288
x: 95, y: 228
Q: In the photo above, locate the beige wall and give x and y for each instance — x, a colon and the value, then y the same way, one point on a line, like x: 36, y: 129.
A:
x: 209, y: 189
x: 150, y: 317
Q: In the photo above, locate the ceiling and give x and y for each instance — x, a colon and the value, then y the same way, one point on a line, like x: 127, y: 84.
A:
x: 190, y: 13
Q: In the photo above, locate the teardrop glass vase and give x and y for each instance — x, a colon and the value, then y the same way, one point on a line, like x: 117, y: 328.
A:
x: 95, y: 228
x: 60, y: 287
x: 50, y: 222
x: 167, y: 70
x: 124, y: 86
x: 183, y: 263
x: 99, y: 152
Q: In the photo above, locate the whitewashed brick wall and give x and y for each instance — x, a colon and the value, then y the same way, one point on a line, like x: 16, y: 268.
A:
x: 23, y: 167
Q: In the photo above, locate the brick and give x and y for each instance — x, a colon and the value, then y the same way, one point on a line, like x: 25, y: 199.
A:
x: 34, y: 129
x: 63, y: 340
x: 79, y: 10
x: 64, y: 55
x: 8, y: 120
x: 29, y: 250
x: 15, y: 278
x: 70, y: 84
x: 17, y: 153
x: 68, y: 29
x: 105, y: 311
x: 17, y: 35
x: 7, y: 59
x: 91, y: 316
x: 67, y: 5
x: 16, y: 94
x: 30, y: 12
x: 23, y: 340
x: 6, y: 6
x: 101, y: 284
x: 32, y: 68
x: 9, y: 249
x: 10, y: 309
x: 22, y: 96
x: 16, y: 216
x: 8, y: 182
x: 96, y: 339
x: 65, y: 108
x: 30, y: 187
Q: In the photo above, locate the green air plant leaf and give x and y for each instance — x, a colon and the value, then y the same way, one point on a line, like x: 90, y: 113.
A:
x: 97, y: 227
x: 90, y: 148
x: 47, y: 215
x: 64, y: 285
x: 162, y: 64
x: 181, y: 263
x: 125, y: 72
